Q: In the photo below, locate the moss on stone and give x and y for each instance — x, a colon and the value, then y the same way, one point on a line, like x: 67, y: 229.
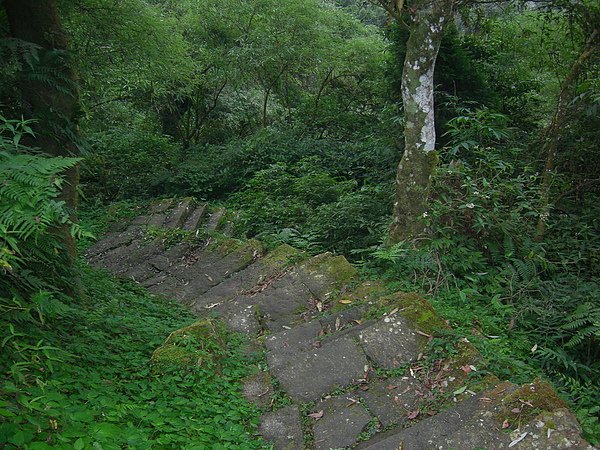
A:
x: 190, y: 346
x: 417, y: 310
x: 528, y: 401
x: 282, y: 255
x: 335, y: 268
x: 369, y: 291
x: 226, y: 246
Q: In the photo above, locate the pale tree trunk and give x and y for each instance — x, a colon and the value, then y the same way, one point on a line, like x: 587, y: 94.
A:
x: 415, y: 171
x: 54, y: 103
x: 552, y: 133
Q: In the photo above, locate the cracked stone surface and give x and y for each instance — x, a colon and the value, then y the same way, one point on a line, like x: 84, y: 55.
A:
x: 342, y: 422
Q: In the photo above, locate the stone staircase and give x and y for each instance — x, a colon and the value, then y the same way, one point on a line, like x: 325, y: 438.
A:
x: 348, y: 365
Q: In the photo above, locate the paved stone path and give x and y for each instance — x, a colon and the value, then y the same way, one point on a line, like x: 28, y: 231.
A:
x: 348, y: 358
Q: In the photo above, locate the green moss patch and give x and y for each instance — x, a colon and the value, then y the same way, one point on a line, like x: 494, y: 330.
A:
x: 336, y: 268
x: 195, y: 345
x: 282, y: 255
x: 417, y: 310
x: 528, y: 401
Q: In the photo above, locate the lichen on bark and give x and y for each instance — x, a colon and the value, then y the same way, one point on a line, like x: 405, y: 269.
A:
x: 415, y: 171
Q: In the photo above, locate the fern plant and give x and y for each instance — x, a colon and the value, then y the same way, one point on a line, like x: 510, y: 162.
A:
x: 584, y: 322
x: 30, y: 211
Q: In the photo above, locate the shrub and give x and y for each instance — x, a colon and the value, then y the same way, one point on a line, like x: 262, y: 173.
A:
x: 125, y: 164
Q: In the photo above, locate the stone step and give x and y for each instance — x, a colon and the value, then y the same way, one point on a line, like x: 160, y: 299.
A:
x: 215, y: 218
x: 529, y: 417
x: 203, y: 268
x: 281, y: 298
x: 352, y: 358
x: 179, y: 213
x: 157, y: 214
x: 113, y: 241
x: 194, y: 221
x: 261, y: 272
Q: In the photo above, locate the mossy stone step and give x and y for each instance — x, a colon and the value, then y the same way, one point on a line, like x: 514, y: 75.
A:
x: 478, y: 423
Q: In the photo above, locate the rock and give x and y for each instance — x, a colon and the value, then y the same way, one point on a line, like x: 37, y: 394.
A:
x: 310, y: 375
x: 179, y: 213
x: 258, y: 389
x: 192, y: 223
x: 215, y: 218
x: 475, y: 423
x: 184, y: 347
x: 325, y: 273
x: 392, y: 400
x: 253, y: 278
x: 283, y: 347
x: 391, y: 342
x: 341, y: 424
x: 282, y: 303
x: 283, y: 429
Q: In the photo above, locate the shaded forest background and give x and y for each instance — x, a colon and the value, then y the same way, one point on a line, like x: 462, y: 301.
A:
x: 289, y: 113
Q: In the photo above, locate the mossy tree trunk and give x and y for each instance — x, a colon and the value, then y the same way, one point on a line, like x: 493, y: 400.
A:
x: 50, y: 95
x: 415, y: 171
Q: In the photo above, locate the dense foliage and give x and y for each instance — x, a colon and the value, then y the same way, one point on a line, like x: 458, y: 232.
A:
x: 81, y: 378
x: 288, y: 112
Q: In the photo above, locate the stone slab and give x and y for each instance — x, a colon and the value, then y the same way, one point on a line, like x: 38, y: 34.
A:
x: 282, y: 303
x: 391, y: 342
x: 283, y: 347
x: 342, y: 422
x: 243, y: 281
x: 239, y: 315
x: 258, y: 389
x: 324, y: 274
x: 477, y: 423
x: 391, y: 400
x: 193, y: 222
x: 343, y: 319
x: 113, y: 241
x: 179, y: 213
x: 315, y: 373
x: 283, y: 429
x: 160, y: 206
x: 214, y: 219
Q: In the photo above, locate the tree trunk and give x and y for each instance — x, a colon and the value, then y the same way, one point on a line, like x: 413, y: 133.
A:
x: 53, y: 102
x: 415, y: 171
x: 552, y: 132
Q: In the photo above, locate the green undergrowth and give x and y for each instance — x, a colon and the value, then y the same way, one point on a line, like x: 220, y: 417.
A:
x: 83, y: 379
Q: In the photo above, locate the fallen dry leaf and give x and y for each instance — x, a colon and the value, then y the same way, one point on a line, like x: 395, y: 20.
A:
x: 413, y: 414
x: 316, y: 415
x: 466, y: 369
x: 391, y: 386
x: 519, y: 439
x: 345, y: 301
x: 534, y: 348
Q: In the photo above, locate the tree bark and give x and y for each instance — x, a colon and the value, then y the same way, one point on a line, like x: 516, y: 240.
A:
x: 415, y: 171
x: 53, y: 102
